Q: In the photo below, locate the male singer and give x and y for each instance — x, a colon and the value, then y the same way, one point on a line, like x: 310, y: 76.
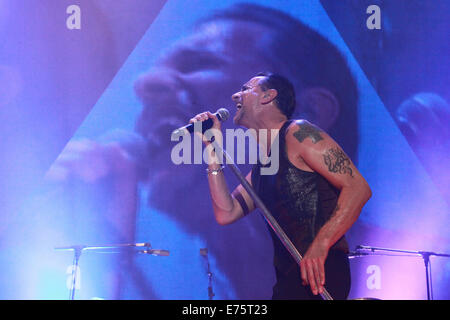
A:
x: 316, y: 195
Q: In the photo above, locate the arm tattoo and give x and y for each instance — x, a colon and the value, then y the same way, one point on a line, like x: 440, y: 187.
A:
x: 306, y: 130
x: 337, y: 161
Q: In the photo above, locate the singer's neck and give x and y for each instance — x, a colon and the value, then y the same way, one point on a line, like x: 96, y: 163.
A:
x: 271, y: 131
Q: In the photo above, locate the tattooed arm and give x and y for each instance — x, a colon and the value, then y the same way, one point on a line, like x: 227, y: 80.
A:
x: 311, y: 149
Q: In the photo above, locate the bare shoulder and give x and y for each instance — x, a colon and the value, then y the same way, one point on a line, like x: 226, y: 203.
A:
x: 306, y: 133
x: 319, y: 151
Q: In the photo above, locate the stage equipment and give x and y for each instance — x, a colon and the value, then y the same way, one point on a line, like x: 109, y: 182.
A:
x: 204, y: 253
x: 361, y: 251
x: 142, y: 248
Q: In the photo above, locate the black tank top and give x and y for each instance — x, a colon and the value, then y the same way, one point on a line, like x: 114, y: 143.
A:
x: 300, y: 201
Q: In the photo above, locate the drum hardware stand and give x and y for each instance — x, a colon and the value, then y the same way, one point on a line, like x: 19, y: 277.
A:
x: 144, y: 247
x: 424, y: 254
x: 204, y: 253
x: 265, y: 212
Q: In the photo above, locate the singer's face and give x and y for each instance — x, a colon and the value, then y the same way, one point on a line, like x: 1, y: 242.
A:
x: 247, y: 102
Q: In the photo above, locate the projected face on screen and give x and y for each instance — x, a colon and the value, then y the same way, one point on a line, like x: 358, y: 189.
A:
x: 198, y: 73
x: 201, y: 71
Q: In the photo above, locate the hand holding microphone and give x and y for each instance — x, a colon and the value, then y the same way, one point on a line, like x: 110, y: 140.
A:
x: 200, y: 124
x: 207, y: 121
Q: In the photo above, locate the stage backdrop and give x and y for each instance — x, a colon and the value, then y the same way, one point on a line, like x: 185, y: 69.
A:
x: 91, y: 89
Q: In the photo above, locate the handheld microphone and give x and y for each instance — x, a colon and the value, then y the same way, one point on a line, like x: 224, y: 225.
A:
x: 222, y: 114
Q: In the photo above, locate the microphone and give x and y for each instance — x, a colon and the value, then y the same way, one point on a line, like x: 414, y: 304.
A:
x: 222, y: 114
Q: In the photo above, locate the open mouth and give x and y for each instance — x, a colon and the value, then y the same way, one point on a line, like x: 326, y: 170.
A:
x: 239, y: 106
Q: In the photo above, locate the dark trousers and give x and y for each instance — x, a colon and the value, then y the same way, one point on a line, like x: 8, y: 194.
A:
x: 337, y: 280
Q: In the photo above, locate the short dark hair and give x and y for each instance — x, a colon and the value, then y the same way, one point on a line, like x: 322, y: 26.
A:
x: 286, y: 94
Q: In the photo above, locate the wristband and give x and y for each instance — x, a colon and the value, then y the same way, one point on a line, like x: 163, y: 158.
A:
x: 215, y: 172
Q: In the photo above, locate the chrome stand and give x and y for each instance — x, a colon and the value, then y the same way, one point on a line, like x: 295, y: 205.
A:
x: 144, y: 248
x: 366, y: 250
x: 204, y: 253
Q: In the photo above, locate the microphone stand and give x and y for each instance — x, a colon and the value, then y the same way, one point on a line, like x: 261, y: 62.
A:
x: 426, y: 259
x: 265, y: 212
x: 76, y: 258
x: 204, y: 253
x: 78, y: 249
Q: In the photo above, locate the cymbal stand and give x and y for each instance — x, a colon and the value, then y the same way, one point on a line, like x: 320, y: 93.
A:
x: 425, y: 256
x: 76, y: 258
x: 110, y: 248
